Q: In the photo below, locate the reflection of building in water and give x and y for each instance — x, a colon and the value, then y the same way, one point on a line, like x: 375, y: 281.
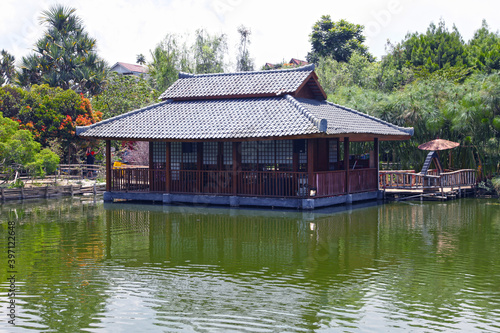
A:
x: 244, y: 238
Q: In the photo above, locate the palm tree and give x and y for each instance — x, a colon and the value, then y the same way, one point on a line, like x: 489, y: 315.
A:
x: 141, y: 59
x: 6, y: 67
x: 65, y: 56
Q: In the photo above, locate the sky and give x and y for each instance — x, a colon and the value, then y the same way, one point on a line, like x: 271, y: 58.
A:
x: 280, y: 29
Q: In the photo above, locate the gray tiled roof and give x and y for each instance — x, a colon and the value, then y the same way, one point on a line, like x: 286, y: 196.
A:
x: 342, y: 120
x: 207, y: 119
x: 260, y: 83
x: 238, y: 119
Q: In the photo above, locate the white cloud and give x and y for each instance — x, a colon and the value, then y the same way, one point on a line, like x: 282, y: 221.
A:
x: 280, y: 29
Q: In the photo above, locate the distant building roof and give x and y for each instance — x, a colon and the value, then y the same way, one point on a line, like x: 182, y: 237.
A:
x: 241, y: 84
x: 279, y: 104
x: 298, y: 62
x: 291, y: 64
x: 128, y: 69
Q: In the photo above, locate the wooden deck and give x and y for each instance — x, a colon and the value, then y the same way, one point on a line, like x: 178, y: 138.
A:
x: 407, y: 184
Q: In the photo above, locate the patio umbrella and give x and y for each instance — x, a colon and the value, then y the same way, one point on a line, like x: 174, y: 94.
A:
x: 438, y: 144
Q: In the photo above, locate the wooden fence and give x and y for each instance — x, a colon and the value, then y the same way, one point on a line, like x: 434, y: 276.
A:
x: 80, y: 171
x: 415, y: 181
x: 49, y: 191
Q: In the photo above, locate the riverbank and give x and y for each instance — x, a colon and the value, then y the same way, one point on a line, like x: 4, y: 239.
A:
x: 50, y: 188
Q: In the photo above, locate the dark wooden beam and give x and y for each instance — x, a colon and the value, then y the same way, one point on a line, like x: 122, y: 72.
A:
x: 167, y: 167
x: 108, y: 165
x: 310, y: 162
x: 322, y: 152
x: 151, y: 166
x: 199, y: 166
x: 220, y: 156
x: 346, y: 164
x: 376, y: 157
x: 338, y: 150
x: 236, y: 165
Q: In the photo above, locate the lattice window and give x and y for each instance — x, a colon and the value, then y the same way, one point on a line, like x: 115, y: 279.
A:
x: 228, y: 155
x: 175, y: 159
x: 266, y: 155
x: 332, y: 150
x: 249, y: 155
x: 284, y: 155
x: 159, y: 153
x: 189, y: 156
x: 210, y: 151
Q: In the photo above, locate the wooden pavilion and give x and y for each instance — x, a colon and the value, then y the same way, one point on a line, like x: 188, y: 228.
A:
x: 264, y: 138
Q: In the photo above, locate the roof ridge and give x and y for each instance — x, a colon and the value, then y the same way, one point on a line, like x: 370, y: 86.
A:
x: 310, y: 67
x: 321, y: 124
x: 408, y: 130
x: 82, y: 129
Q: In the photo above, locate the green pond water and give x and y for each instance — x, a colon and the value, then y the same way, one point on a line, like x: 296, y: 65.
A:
x: 399, y: 267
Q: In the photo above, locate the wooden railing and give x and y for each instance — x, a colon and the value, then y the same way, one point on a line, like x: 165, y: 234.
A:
x: 132, y: 180
x: 412, y: 180
x: 458, y: 178
x: 363, y: 180
x: 201, y: 182
x: 329, y: 183
x: 272, y: 183
x: 284, y: 184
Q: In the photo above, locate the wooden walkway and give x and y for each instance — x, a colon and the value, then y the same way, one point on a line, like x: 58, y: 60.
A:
x: 409, y: 185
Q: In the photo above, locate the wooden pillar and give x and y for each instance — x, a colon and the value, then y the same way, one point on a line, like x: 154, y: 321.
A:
x: 236, y: 165
x: 322, y: 155
x: 375, y: 155
x: 108, y: 165
x: 199, y: 156
x: 220, y: 156
x: 346, y: 164
x: 151, y: 167
x: 311, y: 158
x: 199, y: 167
x: 338, y: 150
x: 167, y: 167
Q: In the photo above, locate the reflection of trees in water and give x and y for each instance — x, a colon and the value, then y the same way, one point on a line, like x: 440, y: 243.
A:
x: 59, y: 243
x: 453, y: 250
x: 410, y: 257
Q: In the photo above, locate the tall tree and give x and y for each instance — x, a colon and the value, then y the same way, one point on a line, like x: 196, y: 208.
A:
x: 124, y: 93
x: 66, y: 56
x: 483, y: 50
x: 243, y: 61
x: 7, y: 69
x: 438, y: 48
x: 337, y: 40
x: 169, y: 58
x: 209, y: 52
